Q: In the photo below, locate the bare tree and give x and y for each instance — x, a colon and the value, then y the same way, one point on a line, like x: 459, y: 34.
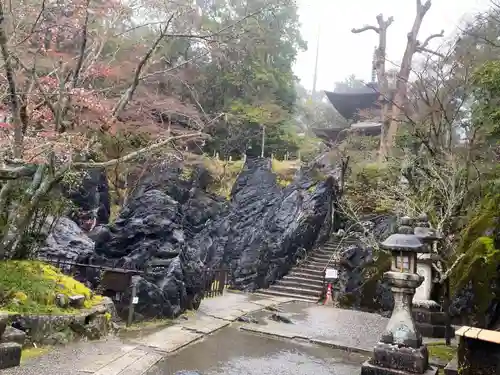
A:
x: 391, y: 114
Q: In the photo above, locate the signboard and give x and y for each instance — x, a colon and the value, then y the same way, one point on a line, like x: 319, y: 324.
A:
x: 331, y: 273
x: 135, y: 300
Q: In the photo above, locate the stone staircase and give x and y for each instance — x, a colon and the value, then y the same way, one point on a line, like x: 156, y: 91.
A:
x: 305, y: 281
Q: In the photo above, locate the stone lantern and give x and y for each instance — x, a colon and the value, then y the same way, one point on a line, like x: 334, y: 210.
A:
x: 427, y: 236
x: 400, y: 349
x: 431, y: 320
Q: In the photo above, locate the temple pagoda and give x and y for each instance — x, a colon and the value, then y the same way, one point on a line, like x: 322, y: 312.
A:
x: 360, y: 107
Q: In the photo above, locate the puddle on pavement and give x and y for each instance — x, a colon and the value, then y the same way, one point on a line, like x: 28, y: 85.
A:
x: 234, y: 352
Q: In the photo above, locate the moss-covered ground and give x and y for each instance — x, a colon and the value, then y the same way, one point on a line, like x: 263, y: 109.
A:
x: 441, y: 351
x: 32, y: 353
x: 32, y: 286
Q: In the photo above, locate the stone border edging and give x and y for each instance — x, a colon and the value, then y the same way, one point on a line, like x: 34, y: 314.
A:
x: 330, y: 344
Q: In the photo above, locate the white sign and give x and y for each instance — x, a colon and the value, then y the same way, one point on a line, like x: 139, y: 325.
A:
x: 331, y: 273
x: 135, y: 300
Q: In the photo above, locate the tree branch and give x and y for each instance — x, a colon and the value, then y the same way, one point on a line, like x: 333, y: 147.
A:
x: 127, y: 96
x: 365, y: 28
x: 429, y: 38
x: 14, y: 100
x: 135, y: 154
x: 83, y: 46
x: 14, y: 173
x: 455, y: 264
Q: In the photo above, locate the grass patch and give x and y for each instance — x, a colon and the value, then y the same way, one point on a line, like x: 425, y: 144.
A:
x: 31, y: 353
x: 285, y: 170
x: 441, y: 351
x: 32, y: 287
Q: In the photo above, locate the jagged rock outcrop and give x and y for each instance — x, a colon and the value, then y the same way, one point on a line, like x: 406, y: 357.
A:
x: 259, y: 235
x: 91, y: 198
x: 360, y: 281
x: 165, y: 210
x: 65, y: 241
x: 173, y: 228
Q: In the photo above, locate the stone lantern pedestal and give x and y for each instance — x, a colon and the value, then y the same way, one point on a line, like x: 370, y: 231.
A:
x: 400, y: 350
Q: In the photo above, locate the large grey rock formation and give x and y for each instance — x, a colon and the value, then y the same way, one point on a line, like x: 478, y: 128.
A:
x: 360, y: 283
x: 173, y: 228
x: 65, y: 241
x: 260, y: 234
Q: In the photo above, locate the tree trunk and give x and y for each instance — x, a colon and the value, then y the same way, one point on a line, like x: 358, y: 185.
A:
x: 379, y: 66
x: 401, y: 94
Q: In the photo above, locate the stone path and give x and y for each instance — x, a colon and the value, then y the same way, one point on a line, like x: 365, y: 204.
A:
x: 344, y: 329
x: 324, y: 325
x: 114, y: 356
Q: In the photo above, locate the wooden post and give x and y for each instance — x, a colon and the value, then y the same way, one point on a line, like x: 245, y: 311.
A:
x: 132, y: 302
x: 263, y: 142
x: 446, y: 303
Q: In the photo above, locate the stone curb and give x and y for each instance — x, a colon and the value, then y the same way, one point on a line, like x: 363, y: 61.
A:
x: 330, y: 344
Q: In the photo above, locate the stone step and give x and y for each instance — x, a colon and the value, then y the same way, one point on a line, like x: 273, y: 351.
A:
x: 304, y: 279
x: 334, y: 245
x: 306, y: 272
x: 314, y: 262
x: 320, y: 257
x: 297, y: 284
x: 313, y: 266
x: 270, y: 292
x: 323, y: 254
x: 306, y: 275
x: 300, y: 291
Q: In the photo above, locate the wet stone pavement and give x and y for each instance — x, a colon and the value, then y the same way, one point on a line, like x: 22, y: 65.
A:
x: 346, y: 329
x: 234, y: 352
x: 214, y: 341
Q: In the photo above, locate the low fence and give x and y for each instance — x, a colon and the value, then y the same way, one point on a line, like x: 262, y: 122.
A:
x: 116, y: 282
x: 215, y: 281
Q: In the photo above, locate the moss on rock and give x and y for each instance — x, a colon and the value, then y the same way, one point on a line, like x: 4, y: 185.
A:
x: 481, y: 259
x: 32, y: 287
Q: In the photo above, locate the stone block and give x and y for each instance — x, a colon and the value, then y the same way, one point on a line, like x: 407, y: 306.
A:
x: 401, y: 358
x: 10, y: 355
x: 434, y: 331
x: 452, y: 367
x: 369, y: 368
x: 77, y: 301
x: 4, y: 320
x: 429, y: 316
x: 12, y: 334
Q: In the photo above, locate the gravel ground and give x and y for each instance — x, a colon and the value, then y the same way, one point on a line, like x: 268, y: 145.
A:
x: 79, y: 358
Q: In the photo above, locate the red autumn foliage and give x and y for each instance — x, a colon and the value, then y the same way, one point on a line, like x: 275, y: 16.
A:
x: 60, y: 112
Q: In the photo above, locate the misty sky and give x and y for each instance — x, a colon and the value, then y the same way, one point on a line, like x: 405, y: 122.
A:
x: 343, y: 53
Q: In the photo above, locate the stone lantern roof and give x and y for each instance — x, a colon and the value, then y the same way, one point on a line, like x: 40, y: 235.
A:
x: 405, y: 240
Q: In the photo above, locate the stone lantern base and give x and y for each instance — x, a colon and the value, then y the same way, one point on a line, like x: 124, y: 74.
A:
x: 371, y: 369
x: 389, y: 359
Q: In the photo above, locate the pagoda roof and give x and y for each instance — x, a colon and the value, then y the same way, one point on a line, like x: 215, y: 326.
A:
x: 348, y: 104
